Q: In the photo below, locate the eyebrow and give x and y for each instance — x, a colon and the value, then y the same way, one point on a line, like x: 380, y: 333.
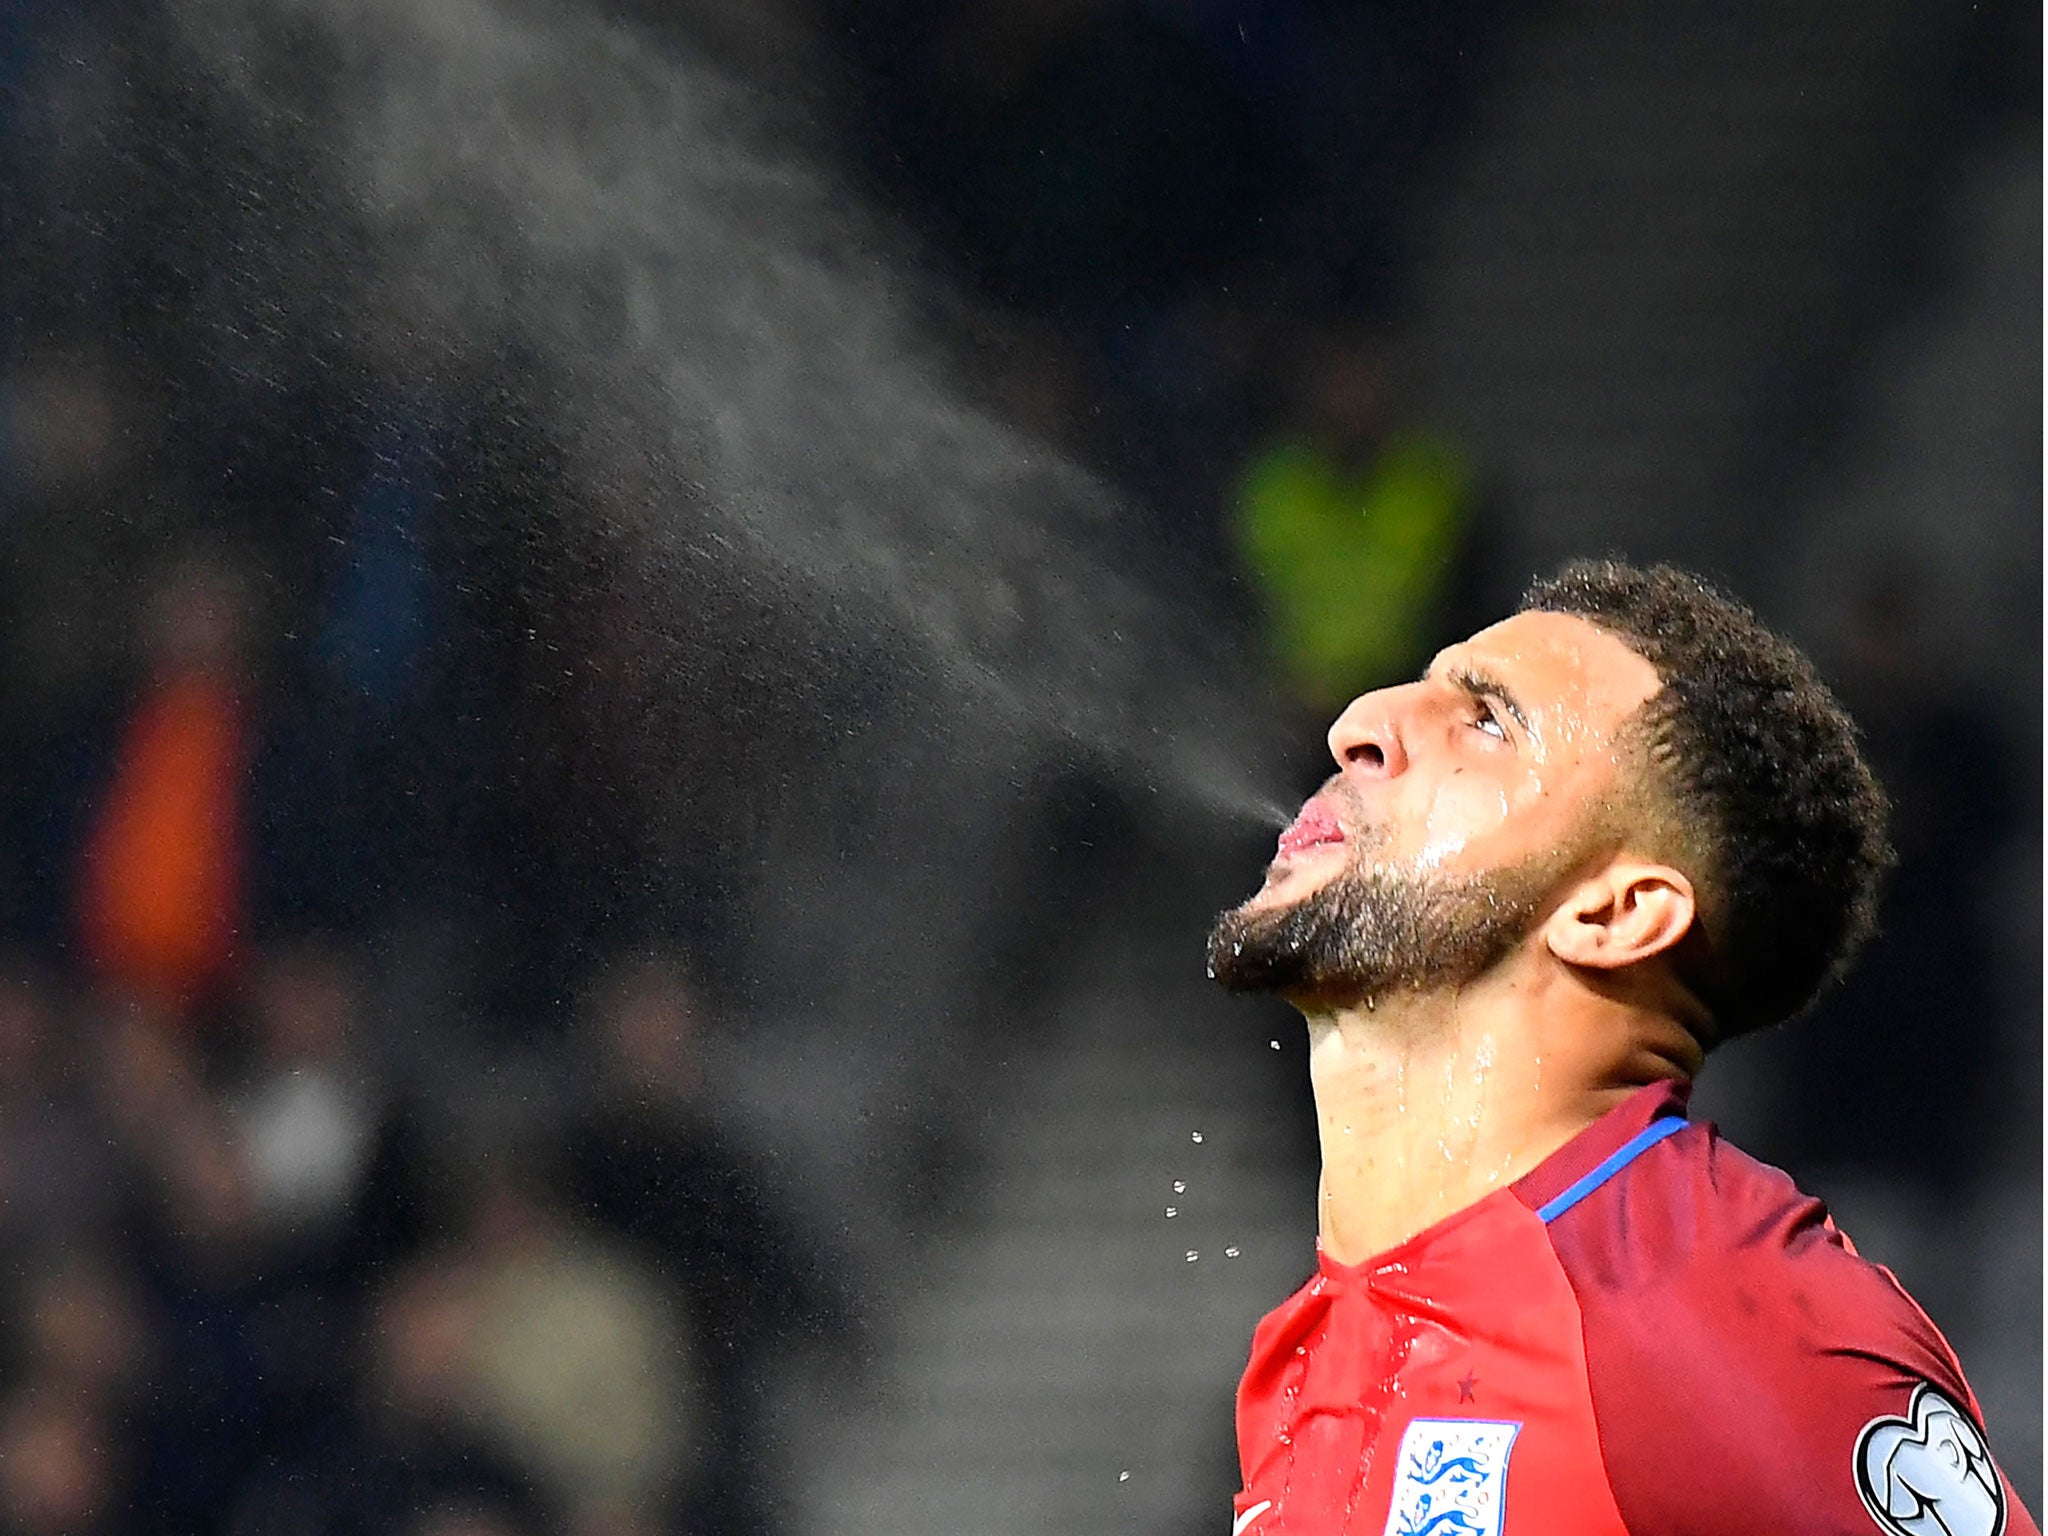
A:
x: 1484, y: 685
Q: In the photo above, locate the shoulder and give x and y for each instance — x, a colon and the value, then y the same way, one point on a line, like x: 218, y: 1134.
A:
x: 1695, y: 1227
x: 1749, y: 1369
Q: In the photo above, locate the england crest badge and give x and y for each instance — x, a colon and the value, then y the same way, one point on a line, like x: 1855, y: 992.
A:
x: 1451, y: 1478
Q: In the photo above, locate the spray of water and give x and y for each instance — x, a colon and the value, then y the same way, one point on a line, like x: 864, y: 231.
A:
x: 735, y: 351
x: 731, y: 372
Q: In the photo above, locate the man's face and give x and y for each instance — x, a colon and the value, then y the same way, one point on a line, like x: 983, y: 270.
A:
x: 1459, y: 804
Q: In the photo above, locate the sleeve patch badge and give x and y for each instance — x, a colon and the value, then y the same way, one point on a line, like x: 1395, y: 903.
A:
x: 1930, y: 1473
x: 1451, y: 1478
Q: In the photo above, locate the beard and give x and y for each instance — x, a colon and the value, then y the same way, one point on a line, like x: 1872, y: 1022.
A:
x: 1368, y: 932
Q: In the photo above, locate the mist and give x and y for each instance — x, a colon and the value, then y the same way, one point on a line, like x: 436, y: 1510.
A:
x: 738, y: 356
x: 858, y: 692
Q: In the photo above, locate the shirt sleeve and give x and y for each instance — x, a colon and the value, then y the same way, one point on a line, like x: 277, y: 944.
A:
x: 1751, y: 1373
x: 1849, y: 1444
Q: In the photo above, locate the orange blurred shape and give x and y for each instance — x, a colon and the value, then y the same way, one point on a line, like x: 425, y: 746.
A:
x: 161, y: 895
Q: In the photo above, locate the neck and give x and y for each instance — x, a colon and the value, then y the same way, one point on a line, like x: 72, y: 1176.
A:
x: 1428, y: 1101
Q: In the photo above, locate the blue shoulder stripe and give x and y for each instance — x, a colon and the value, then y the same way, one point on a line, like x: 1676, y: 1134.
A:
x: 1615, y: 1161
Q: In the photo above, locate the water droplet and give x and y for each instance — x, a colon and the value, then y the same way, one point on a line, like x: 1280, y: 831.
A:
x: 1230, y: 1253
x: 1195, y: 1135
x: 1180, y: 1187
x: 1172, y: 1211
x: 1192, y: 1255
x: 1273, y: 1043
x: 1123, y: 1477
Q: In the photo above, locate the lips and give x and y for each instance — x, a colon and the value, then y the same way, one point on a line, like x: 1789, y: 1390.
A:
x: 1315, y: 827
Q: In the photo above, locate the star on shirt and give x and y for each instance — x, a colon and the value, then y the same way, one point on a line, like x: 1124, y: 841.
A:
x: 1465, y: 1385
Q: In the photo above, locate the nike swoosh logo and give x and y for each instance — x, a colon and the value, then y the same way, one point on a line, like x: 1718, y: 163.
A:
x: 1249, y: 1516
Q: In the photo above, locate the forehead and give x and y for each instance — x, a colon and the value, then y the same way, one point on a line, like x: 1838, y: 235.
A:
x: 1570, y: 675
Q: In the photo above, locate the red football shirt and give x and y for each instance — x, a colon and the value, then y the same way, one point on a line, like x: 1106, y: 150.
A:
x: 1649, y: 1335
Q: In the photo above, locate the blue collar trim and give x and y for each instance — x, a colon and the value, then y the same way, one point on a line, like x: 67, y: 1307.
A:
x: 1615, y: 1161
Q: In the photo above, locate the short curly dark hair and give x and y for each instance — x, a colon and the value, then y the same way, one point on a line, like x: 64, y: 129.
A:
x: 1756, y: 771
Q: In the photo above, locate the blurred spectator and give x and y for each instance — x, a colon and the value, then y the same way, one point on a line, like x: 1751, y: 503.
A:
x: 240, y: 1353
x: 309, y: 1108
x: 522, y: 1377
x: 59, y: 1472
x: 161, y: 888
x: 574, y: 1359
x: 78, y: 1357
x: 189, y: 1230
x: 1354, y: 521
x: 83, y: 1327
x: 354, y: 732
x: 404, y: 1455
x: 647, y: 1159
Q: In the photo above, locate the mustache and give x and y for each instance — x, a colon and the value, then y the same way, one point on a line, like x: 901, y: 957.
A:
x: 1363, y: 832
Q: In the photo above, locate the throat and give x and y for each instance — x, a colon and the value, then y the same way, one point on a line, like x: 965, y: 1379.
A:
x: 1418, y: 1119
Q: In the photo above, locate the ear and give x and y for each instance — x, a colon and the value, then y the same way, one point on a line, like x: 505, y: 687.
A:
x: 1625, y: 914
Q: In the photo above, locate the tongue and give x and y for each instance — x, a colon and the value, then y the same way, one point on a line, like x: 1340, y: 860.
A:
x: 1316, y: 824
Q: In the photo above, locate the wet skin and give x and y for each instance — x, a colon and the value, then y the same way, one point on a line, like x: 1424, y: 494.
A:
x: 1490, y: 760
x: 1491, y: 757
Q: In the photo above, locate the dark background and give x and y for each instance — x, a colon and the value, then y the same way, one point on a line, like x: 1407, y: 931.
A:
x: 676, y: 1001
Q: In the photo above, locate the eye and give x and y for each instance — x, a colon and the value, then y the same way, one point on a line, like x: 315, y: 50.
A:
x: 1488, y: 721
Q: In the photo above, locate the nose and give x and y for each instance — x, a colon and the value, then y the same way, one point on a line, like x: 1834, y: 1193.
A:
x: 1366, y: 738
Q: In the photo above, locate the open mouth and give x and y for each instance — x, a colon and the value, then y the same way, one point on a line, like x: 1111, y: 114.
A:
x: 1315, y: 827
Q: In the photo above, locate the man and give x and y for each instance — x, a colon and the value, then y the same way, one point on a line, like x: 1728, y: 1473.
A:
x: 1589, y: 845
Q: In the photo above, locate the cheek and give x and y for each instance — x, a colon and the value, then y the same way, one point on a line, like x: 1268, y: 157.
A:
x: 1464, y: 811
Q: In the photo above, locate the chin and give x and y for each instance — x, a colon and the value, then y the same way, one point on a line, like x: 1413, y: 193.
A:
x: 1270, y: 943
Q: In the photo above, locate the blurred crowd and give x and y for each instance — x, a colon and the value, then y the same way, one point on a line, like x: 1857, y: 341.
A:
x: 262, y: 1278
x: 304, y: 1235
